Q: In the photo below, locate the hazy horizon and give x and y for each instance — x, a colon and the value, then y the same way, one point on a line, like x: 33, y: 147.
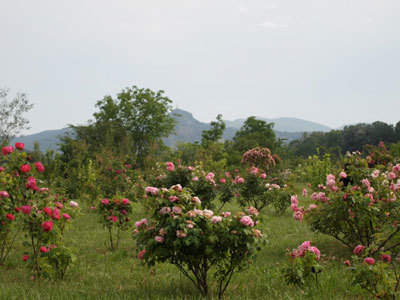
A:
x: 329, y: 62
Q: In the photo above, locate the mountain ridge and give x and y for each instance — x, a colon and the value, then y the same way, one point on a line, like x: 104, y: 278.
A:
x: 188, y: 129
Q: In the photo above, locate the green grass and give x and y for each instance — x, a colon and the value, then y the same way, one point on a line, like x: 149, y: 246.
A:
x: 101, y: 274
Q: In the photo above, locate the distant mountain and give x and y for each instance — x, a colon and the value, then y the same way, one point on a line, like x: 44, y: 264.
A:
x: 285, y: 124
x: 188, y: 129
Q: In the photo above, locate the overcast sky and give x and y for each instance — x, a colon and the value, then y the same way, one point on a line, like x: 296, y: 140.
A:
x: 330, y: 61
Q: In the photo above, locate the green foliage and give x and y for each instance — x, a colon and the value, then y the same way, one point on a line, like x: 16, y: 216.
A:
x: 315, y: 170
x: 379, y: 278
x: 141, y: 114
x: 215, y: 133
x: 254, y: 133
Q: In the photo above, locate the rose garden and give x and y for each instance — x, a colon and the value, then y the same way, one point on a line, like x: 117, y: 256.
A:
x: 234, y: 220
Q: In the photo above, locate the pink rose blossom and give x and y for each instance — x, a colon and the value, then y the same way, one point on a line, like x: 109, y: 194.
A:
x: 176, y: 210
x: 151, y: 190
x: 316, y: 252
x: 105, y: 201
x: 225, y: 214
x: 304, y: 193
x: 294, y: 199
x: 173, y: 198
x: 26, y: 209
x: 47, y: 226
x: 208, y: 213
x: 305, y: 245
x: 39, y: 167
x: 159, y: 239
x: 263, y: 176
x: 247, y: 221
x: 4, y: 194
x: 369, y: 260
x: 125, y: 201
x: 180, y: 234
x: 386, y: 258
x: 216, y: 219
x: 73, y: 204
x: 140, y: 223
x: 195, y: 179
x: 358, y: 249
x: 170, y: 166
x: 165, y: 210
x: 298, y: 215
x: 252, y: 211
x: 391, y: 176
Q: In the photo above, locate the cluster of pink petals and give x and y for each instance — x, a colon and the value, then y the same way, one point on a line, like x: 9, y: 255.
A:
x: 252, y: 211
x: 253, y: 170
x: 4, y: 194
x: 320, y: 197
x: 303, y: 248
x: 31, y: 184
x: 180, y: 234
x: 170, y: 166
x: 140, y: 223
x: 216, y: 219
x: 369, y: 260
x: 225, y: 214
x: 173, y: 198
x: 177, y: 187
x: 196, y: 200
x: 238, y: 180
x: 176, y: 210
x: 247, y: 221
x: 151, y: 190
x: 39, y: 167
x: 7, y: 150
x: 165, y: 210
x: 47, y: 226
x: 159, y: 239
x: 359, y: 249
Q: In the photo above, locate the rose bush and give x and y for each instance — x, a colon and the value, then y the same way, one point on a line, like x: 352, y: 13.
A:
x: 304, y: 264
x: 196, y: 240
x: 365, y: 211
x: 115, y: 216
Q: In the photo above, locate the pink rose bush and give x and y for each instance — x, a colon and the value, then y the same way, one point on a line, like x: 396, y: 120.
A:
x: 40, y: 215
x: 374, y: 272
x: 263, y: 183
x: 303, y: 265
x: 197, y: 240
x: 359, y: 207
x: 203, y: 184
x: 115, y: 216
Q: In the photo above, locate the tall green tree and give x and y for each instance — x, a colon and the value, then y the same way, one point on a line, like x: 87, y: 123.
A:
x: 215, y: 133
x: 132, y: 123
x: 12, y: 120
x: 255, y: 133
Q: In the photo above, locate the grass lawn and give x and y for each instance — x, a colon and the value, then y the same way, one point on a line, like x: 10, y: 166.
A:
x: 101, y: 274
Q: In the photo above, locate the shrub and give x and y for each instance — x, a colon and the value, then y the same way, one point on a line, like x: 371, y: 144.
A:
x: 197, y: 241
x: 303, y: 265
